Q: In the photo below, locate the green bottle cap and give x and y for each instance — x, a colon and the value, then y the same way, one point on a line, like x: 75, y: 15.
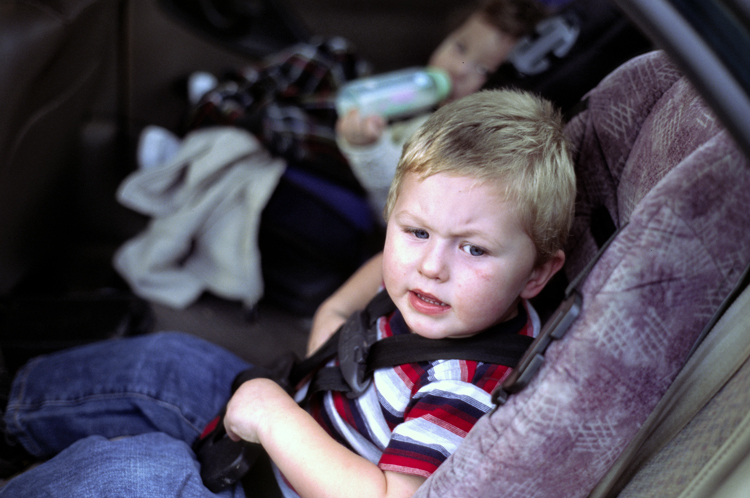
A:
x: 442, y: 81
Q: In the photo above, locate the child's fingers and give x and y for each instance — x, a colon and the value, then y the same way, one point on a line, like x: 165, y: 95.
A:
x: 255, y: 404
x: 349, y: 124
x: 234, y: 437
x: 244, y: 412
x: 374, y: 126
x: 359, y: 130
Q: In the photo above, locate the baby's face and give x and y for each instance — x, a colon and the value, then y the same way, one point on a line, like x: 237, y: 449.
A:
x: 470, y: 54
x: 456, y: 258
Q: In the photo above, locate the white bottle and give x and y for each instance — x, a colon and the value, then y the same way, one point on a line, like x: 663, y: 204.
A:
x: 398, y: 94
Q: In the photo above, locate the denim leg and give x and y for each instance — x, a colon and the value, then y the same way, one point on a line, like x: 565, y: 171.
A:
x: 149, y: 465
x: 167, y: 382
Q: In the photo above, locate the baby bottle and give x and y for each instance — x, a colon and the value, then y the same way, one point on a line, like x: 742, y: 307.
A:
x: 394, y: 95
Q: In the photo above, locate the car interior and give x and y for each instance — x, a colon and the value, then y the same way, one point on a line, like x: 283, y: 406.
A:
x: 646, y: 392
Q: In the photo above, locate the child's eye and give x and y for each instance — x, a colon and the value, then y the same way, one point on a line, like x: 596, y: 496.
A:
x: 473, y: 250
x: 418, y: 232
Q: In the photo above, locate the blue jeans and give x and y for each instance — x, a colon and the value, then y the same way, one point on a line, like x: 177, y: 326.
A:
x: 158, y: 391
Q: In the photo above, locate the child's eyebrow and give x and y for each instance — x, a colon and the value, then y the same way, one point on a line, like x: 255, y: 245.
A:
x: 415, y: 220
x: 408, y: 217
x: 480, y: 235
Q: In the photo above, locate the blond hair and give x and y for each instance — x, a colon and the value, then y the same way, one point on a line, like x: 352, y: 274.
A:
x: 512, y: 138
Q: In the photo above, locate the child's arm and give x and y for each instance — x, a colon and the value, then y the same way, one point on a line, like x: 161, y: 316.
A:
x: 352, y: 296
x: 374, y: 164
x: 313, y: 462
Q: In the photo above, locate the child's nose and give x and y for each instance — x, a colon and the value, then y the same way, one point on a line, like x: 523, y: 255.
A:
x: 461, y: 68
x: 433, y: 264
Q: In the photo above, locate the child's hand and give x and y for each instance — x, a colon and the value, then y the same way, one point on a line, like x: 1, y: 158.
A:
x: 316, y: 464
x: 255, y: 403
x: 359, y: 130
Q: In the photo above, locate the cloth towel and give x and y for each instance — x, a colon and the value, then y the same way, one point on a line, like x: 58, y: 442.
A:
x: 205, y: 203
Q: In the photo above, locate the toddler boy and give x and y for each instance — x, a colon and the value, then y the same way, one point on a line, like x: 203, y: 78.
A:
x: 477, y: 218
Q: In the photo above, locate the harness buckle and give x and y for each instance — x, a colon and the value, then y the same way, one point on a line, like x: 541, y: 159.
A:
x: 352, y: 352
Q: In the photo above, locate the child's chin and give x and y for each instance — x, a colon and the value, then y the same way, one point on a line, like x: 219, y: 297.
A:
x: 421, y: 325
x: 428, y: 327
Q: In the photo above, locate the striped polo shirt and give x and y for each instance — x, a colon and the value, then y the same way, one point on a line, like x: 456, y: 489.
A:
x: 413, y: 416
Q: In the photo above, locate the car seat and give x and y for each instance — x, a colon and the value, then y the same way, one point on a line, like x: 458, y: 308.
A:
x: 655, y: 167
x: 696, y: 443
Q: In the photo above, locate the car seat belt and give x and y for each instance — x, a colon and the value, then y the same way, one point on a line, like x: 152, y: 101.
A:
x: 713, y: 361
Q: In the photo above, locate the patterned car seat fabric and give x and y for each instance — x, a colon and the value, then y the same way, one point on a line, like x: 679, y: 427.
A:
x: 651, y: 155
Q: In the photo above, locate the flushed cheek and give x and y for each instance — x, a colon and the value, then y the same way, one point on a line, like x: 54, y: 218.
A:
x: 400, y: 269
x: 478, y: 283
x: 470, y: 296
x: 397, y: 285
x: 485, y: 276
x: 393, y: 268
x: 481, y: 300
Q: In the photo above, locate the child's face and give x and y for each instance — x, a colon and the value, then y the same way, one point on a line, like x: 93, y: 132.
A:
x: 456, y: 258
x: 470, y: 54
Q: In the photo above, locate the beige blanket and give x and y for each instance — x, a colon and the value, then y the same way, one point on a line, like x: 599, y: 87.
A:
x: 205, y: 203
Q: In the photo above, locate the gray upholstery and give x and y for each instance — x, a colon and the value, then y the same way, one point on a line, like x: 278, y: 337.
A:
x: 651, y: 152
x: 52, y: 55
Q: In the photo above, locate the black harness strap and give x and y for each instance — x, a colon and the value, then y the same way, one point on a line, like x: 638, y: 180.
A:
x: 380, y: 305
x: 501, y: 345
x: 488, y: 347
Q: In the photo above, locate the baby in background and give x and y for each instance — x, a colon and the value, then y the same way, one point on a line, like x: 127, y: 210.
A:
x: 469, y: 54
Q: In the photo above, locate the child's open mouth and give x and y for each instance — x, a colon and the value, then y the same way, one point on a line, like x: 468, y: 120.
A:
x: 426, y: 303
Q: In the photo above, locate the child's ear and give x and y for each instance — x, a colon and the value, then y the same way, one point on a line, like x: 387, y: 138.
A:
x: 541, y: 274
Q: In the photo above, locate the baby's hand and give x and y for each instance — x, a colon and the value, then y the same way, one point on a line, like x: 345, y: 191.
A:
x: 253, y: 406
x: 359, y: 130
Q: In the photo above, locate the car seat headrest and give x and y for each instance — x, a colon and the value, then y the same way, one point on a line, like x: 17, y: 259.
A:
x: 639, y: 123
